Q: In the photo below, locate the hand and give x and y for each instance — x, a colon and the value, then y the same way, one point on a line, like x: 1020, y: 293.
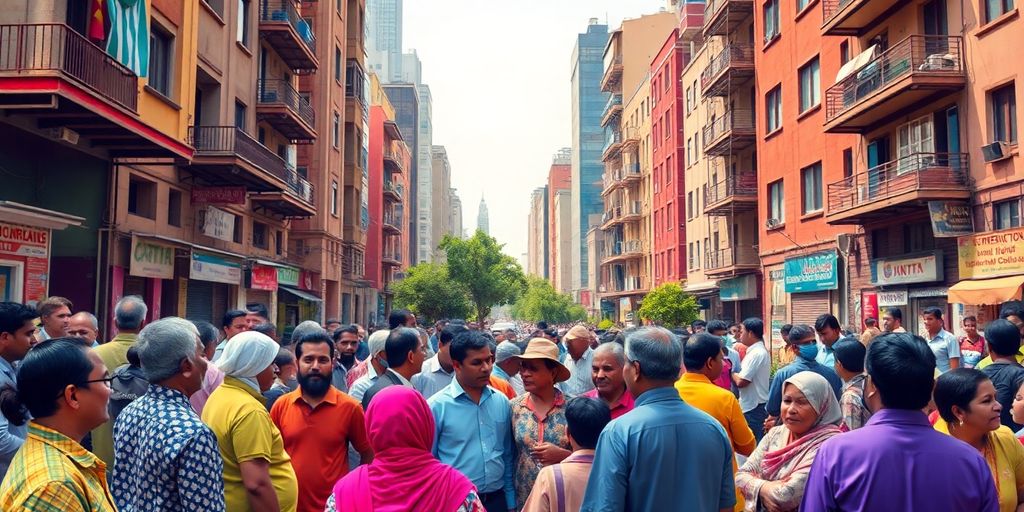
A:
x: 769, y: 423
x: 547, y: 454
x: 767, y: 498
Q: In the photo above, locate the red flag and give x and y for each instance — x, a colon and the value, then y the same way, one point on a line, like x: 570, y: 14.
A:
x: 97, y: 18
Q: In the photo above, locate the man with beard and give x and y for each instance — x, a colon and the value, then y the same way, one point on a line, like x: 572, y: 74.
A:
x: 346, y: 341
x: 318, y: 422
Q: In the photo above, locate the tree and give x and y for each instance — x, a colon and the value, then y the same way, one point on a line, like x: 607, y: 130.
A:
x: 489, y: 276
x: 669, y: 305
x: 542, y: 302
x: 429, y: 291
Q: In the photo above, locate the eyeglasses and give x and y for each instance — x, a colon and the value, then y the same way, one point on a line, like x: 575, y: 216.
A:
x: 108, y: 380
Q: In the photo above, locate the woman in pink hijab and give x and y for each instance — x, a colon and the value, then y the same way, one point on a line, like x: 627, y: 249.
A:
x: 404, y: 476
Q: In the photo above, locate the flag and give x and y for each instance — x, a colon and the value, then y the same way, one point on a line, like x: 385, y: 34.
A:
x: 129, y: 34
x: 97, y: 19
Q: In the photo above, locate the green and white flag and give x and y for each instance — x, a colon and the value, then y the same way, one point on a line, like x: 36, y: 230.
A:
x: 129, y: 34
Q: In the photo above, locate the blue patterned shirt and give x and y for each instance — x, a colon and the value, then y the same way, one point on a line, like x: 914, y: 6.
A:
x: 166, y: 459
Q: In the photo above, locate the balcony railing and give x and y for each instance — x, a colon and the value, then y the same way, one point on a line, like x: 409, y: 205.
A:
x: 394, y: 188
x: 612, y: 138
x: 393, y: 221
x: 30, y: 48
x: 911, y: 173
x: 297, y: 185
x: 625, y: 247
x: 742, y: 185
x: 391, y: 156
x: 281, y: 92
x: 284, y: 11
x: 730, y: 56
x: 917, y: 55
x: 739, y: 120
x: 232, y: 141
x: 731, y: 257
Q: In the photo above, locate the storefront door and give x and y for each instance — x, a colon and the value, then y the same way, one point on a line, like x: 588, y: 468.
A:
x: 10, y: 281
x: 921, y: 304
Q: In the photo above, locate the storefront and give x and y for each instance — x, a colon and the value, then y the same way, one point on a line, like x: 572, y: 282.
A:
x: 991, y: 266
x: 911, y: 284
x: 212, y: 285
x: 296, y: 297
x: 812, y: 283
x: 706, y: 293
x: 739, y: 296
x: 778, y: 305
x: 25, y: 249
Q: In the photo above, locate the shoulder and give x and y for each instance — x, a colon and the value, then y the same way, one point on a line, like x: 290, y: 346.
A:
x: 519, y: 401
x: 345, y: 401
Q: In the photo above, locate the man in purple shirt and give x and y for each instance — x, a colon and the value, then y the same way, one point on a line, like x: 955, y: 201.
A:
x: 898, y: 461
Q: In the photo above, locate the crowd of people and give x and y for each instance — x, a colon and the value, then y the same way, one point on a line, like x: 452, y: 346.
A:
x: 179, y: 415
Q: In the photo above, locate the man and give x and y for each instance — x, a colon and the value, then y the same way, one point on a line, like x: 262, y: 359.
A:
x: 209, y: 336
x: 346, y: 341
x: 401, y: 318
x: 304, y: 328
x: 166, y: 459
x: 698, y: 326
x: 318, y: 422
x: 609, y: 383
x: 732, y: 364
x: 1005, y: 372
x: 376, y: 364
x: 733, y: 336
x: 405, y: 354
x: 752, y: 380
x: 1013, y: 312
x: 437, y: 371
x: 507, y: 365
x: 85, y: 325
x: 362, y: 351
x: 255, y: 314
x: 436, y: 335
x: 898, y: 461
x: 804, y: 349
x: 331, y: 325
x: 827, y: 327
x: 892, y: 320
x: 286, y: 380
x: 54, y: 315
x: 871, y: 330
x: 129, y: 317
x: 561, y: 486
x: 17, y: 336
x: 473, y: 431
x: 665, y: 454
x: 267, y: 329
x: 580, y: 361
x: 232, y: 323
x: 850, y: 355
x: 942, y: 342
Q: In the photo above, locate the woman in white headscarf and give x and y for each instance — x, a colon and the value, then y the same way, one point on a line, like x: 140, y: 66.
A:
x: 258, y: 473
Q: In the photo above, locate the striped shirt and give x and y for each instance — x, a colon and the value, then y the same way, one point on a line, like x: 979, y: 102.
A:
x: 52, y: 473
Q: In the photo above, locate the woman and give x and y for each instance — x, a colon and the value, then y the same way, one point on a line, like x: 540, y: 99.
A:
x: 1017, y: 411
x: 538, y: 416
x: 64, y: 386
x: 400, y: 427
x: 966, y: 401
x: 774, y: 476
x: 973, y: 347
x: 250, y: 443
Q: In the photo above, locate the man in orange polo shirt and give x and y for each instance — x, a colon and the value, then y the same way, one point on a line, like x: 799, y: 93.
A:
x: 318, y: 422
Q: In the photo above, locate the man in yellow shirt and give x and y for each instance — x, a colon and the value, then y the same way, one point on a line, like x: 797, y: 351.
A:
x: 129, y: 317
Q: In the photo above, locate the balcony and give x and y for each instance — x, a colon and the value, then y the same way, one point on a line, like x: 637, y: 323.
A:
x: 281, y: 106
x: 393, y: 161
x: 54, y: 78
x: 631, y: 211
x: 899, y: 187
x: 394, y: 192
x: 733, y: 131
x: 289, y: 34
x: 612, y: 109
x: 623, y: 250
x: 391, y: 257
x: 731, y: 261
x: 721, y: 17
x: 295, y: 202
x: 612, y: 74
x: 630, y: 172
x: 612, y: 144
x: 912, y: 73
x: 630, y: 138
x: 733, y: 66
x: 392, y: 223
x: 610, y: 180
x: 631, y: 285
x: 691, y: 20
x: 732, y: 195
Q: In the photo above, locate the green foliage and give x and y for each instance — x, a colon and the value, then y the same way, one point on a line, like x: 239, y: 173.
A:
x: 428, y: 291
x: 606, y: 324
x: 490, y: 277
x: 670, y: 306
x: 542, y: 302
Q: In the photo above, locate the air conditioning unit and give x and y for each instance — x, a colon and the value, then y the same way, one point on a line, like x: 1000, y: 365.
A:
x: 772, y: 223
x: 995, y: 151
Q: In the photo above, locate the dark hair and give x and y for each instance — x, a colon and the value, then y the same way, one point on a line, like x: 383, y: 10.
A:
x: 826, y: 320
x: 230, y: 316
x: 397, y: 318
x: 332, y: 321
x: 350, y: 328
x: 699, y: 348
x: 902, y: 367
x: 542, y: 325
x: 969, y: 318
x: 400, y: 342
x: 698, y: 323
x: 895, y: 313
x: 1012, y: 308
x: 1003, y: 337
x: 933, y: 311
x: 208, y: 334
x: 284, y: 358
x: 870, y: 321
x: 266, y: 328
x: 258, y: 309
x: 133, y: 356
x: 717, y: 325
x: 551, y: 331
x: 799, y: 332
x: 52, y: 304
x: 313, y: 337
x: 586, y: 418
x: 785, y: 330
x: 448, y: 334
x: 851, y: 354
x: 957, y: 387
x: 755, y: 326
x: 466, y: 341
x: 44, y: 373
x: 13, y: 316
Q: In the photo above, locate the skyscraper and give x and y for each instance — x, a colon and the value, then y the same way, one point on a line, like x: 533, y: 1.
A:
x: 483, y: 223
x: 587, y: 143
x: 384, y: 38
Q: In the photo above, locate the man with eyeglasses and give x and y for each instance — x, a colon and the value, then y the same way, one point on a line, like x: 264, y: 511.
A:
x: 17, y: 336
x: 804, y: 348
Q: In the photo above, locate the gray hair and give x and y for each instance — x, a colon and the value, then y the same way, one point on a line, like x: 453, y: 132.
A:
x: 92, y: 319
x: 615, y: 349
x: 307, y: 327
x: 377, y: 341
x: 163, y: 344
x: 658, y: 352
x: 130, y: 312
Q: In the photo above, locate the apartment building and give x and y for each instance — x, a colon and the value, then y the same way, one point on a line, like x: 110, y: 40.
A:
x: 537, y: 240
x: 559, y: 179
x: 441, y: 190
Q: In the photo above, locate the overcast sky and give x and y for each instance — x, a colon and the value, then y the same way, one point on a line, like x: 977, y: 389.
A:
x: 499, y: 75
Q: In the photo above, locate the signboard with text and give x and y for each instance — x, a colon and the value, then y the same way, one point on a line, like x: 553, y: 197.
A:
x: 219, y: 224
x: 288, y: 276
x: 218, y: 195
x: 951, y: 218
x: 812, y: 273
x: 991, y: 254
x: 738, y: 288
x: 890, y: 298
x: 24, y: 240
x: 920, y: 269
x: 210, y: 267
x: 868, y: 307
x: 262, y: 277
x: 151, y: 259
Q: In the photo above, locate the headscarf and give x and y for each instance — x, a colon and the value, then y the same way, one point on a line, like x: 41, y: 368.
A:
x: 247, y: 354
x: 404, y: 476
x: 799, y: 454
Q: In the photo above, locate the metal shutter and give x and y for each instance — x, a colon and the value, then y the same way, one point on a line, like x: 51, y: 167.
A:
x: 199, y: 302
x: 807, y: 307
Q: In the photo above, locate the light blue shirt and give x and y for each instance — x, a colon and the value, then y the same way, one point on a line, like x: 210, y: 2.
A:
x: 663, y: 455
x: 580, y: 380
x: 476, y: 439
x: 945, y: 347
x: 432, y: 378
x: 11, y: 436
x: 826, y: 356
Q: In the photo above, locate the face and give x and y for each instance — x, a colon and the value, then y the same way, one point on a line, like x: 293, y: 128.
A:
x: 266, y: 378
x: 734, y: 330
x: 985, y: 410
x: 253, y: 319
x: 410, y: 321
x: 931, y: 323
x: 240, y: 324
x: 58, y: 321
x: 536, y: 375
x: 606, y: 372
x: 1017, y: 409
x: 196, y: 371
x: 889, y: 323
x: 314, y: 368
x: 797, y: 413
x: 347, y: 344
x: 715, y: 366
x: 828, y: 336
x: 475, y: 370
x: 333, y: 326
x: 970, y: 327
x: 81, y: 326
x: 747, y: 337
x: 1015, y: 320
x: 90, y: 400
x: 795, y: 345
x: 512, y: 366
x: 577, y: 345
x: 18, y: 342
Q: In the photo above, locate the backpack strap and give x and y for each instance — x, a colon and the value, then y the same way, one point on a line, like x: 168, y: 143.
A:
x: 559, y: 487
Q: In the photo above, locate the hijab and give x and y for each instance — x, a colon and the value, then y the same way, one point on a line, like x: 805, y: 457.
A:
x: 246, y: 355
x: 799, y: 453
x: 404, y: 476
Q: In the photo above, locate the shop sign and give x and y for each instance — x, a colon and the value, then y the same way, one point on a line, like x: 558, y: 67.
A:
x: 262, y: 277
x: 921, y: 269
x: 309, y: 281
x: 738, y: 288
x: 151, y: 259
x: 219, y: 224
x: 812, y: 273
x: 934, y: 291
x: 218, y: 195
x: 24, y: 240
x: 890, y: 298
x: 991, y: 254
x: 868, y: 307
x: 951, y: 218
x: 210, y: 267
x: 288, y: 276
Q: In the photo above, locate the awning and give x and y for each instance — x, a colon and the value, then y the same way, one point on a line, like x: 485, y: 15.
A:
x: 17, y: 213
x: 299, y: 293
x: 856, y: 63
x: 702, y: 287
x: 986, y: 291
x: 191, y: 245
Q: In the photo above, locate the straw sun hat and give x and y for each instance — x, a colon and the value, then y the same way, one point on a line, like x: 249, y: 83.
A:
x: 540, y: 348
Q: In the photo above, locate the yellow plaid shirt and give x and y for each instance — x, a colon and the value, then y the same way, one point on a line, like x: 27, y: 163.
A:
x: 52, y: 473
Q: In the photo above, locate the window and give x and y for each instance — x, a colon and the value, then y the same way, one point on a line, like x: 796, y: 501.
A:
x: 916, y: 143
x: 689, y: 100
x: 810, y: 85
x: 240, y: 115
x: 697, y: 259
x: 174, y: 208
x: 142, y: 197
x: 243, y: 22
x: 334, y: 198
x: 773, y: 109
x: 337, y: 5
x: 259, y: 235
x: 771, y: 20
x: 279, y: 242
x: 237, y: 232
x: 1006, y: 214
x: 689, y: 151
x: 800, y: 4
x: 811, y: 177
x: 776, y: 206
x: 216, y: 5
x: 337, y: 64
x: 689, y: 205
x: 1004, y: 114
x: 848, y: 162
x: 844, y: 52
x: 689, y: 257
x: 161, y: 57
x: 996, y: 8
x: 336, y: 131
